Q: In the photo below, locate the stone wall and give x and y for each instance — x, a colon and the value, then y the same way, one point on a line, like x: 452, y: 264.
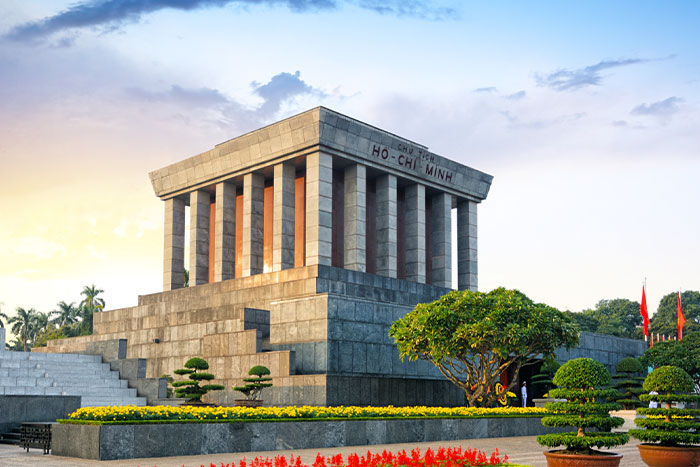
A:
x: 605, y: 349
x: 17, y: 409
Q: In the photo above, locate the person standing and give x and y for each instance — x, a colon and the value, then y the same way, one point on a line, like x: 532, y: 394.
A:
x: 523, y: 393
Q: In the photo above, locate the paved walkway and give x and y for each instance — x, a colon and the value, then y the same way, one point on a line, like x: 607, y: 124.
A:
x: 521, y: 450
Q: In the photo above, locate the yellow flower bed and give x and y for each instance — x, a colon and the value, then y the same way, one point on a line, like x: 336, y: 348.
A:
x: 169, y: 413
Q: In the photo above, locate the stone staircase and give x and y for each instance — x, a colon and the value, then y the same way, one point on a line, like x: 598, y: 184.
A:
x: 27, y: 373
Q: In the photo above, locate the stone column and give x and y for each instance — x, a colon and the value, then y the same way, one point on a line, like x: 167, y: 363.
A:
x: 319, y: 209
x: 415, y: 233
x: 283, y: 217
x: 386, y: 225
x: 174, y: 245
x: 355, y: 229
x: 442, y: 240
x: 225, y: 232
x: 199, y: 237
x: 253, y: 223
x: 467, y: 269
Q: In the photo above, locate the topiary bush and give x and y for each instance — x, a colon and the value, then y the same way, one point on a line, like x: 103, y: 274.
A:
x: 629, y: 386
x: 579, y: 381
x: 191, y: 390
x: 666, y: 425
x: 542, y: 382
x: 254, y: 386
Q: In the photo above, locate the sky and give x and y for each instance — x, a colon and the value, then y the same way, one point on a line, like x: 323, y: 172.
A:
x: 585, y: 113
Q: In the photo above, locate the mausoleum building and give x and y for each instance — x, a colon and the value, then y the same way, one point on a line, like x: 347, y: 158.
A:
x: 307, y: 239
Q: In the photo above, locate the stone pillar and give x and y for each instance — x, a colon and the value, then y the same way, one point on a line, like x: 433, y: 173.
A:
x: 386, y: 225
x: 2, y: 339
x: 199, y: 237
x: 355, y: 229
x: 174, y: 245
x: 253, y: 223
x: 319, y: 209
x: 415, y: 233
x: 283, y: 217
x: 225, y: 232
x: 442, y: 240
x: 467, y: 269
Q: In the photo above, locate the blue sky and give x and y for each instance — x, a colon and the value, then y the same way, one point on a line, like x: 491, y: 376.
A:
x: 586, y: 113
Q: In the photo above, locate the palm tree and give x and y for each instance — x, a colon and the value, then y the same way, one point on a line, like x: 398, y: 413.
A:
x: 66, y: 314
x: 40, y: 323
x: 91, y: 300
x: 2, y: 316
x: 23, y: 324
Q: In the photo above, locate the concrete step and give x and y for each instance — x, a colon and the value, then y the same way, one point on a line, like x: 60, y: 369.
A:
x: 108, y: 402
x: 67, y: 391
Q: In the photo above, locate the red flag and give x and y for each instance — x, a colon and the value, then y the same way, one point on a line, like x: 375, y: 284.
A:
x: 645, y: 313
x: 651, y: 340
x: 681, y: 318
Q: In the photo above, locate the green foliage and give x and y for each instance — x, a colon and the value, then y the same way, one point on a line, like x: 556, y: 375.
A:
x: 665, y: 321
x: 191, y: 390
x: 581, y: 380
x: 618, y: 317
x: 472, y: 337
x: 542, y: 381
x: 668, y: 426
x: 629, y: 365
x: 582, y: 373
x: 253, y: 386
x: 683, y: 354
x: 668, y: 379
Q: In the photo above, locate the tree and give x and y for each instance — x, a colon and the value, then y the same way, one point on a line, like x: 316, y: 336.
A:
x: 191, y: 390
x: 23, y: 325
x: 684, y: 354
x: 91, y: 300
x: 66, y: 314
x: 40, y: 324
x: 473, y: 337
x: 584, y: 320
x: 665, y: 320
x: 253, y: 386
x: 618, y: 317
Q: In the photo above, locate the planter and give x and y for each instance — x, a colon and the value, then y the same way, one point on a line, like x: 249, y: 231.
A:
x: 559, y: 459
x: 655, y: 455
x: 248, y: 403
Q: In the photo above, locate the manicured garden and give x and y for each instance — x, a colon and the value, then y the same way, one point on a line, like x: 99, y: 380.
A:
x: 185, y: 414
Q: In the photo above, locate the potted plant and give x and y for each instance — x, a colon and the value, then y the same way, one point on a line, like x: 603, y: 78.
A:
x: 253, y: 386
x: 579, y: 383
x: 670, y: 435
x: 191, y: 390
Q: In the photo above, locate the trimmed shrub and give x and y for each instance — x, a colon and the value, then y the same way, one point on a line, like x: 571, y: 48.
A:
x: 191, y: 390
x: 580, y: 381
x: 253, y: 386
x: 666, y: 425
x: 630, y: 387
x: 542, y: 382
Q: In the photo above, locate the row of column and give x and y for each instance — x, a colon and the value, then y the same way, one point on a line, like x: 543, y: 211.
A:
x: 319, y: 226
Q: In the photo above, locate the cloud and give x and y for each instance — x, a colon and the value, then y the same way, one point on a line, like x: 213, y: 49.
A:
x: 109, y: 15
x: 281, y: 89
x: 37, y: 247
x: 516, y: 96
x: 486, y: 90
x: 664, y: 108
x: 570, y: 80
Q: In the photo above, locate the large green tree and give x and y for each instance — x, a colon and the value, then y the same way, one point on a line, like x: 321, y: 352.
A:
x: 684, y: 354
x: 585, y: 321
x: 65, y: 314
x: 472, y: 337
x: 665, y: 320
x: 23, y: 325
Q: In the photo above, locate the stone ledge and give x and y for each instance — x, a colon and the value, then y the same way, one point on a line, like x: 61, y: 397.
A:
x: 110, y: 442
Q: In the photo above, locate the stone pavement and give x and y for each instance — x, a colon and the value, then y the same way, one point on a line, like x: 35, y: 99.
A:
x: 523, y: 450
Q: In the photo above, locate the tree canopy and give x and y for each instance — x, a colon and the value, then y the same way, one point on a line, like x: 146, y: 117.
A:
x: 665, y: 320
x: 684, y: 354
x: 472, y: 337
x: 617, y: 317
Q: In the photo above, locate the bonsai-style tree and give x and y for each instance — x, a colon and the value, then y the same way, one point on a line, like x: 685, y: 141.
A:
x: 254, y: 386
x: 684, y: 354
x: 472, y: 337
x: 191, y: 390
x: 542, y: 381
x: 629, y: 386
x: 579, y: 381
x: 666, y: 425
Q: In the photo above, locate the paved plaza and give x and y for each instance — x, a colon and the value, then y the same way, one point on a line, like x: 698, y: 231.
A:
x: 521, y: 450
